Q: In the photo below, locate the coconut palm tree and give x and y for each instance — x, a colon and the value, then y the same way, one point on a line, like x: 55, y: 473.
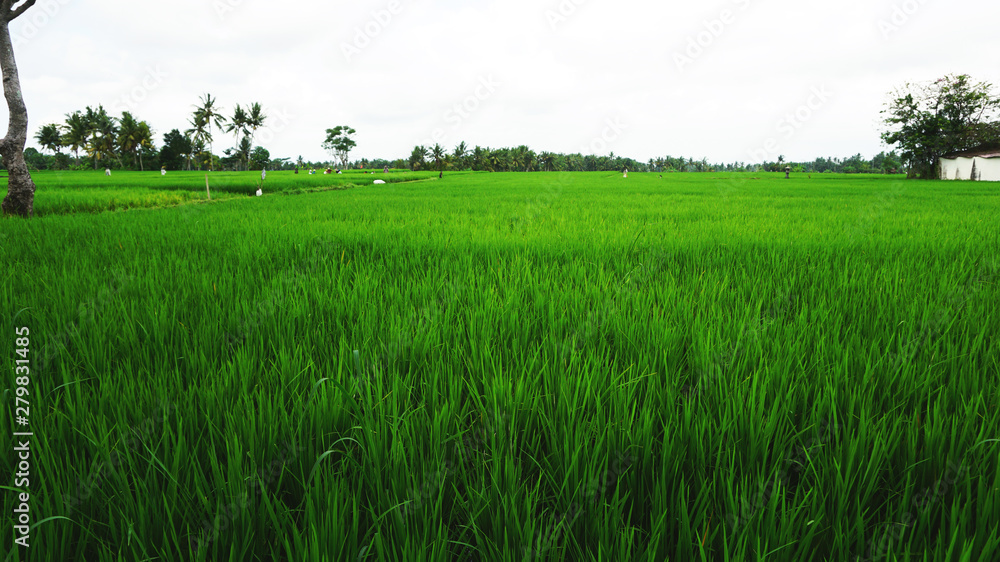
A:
x: 209, y: 114
x: 129, y: 136
x: 75, y: 133
x: 418, y: 158
x: 199, y: 135
x: 547, y: 160
x: 48, y: 138
x: 255, y: 120
x: 102, y: 135
x: 439, y: 158
x: 461, y: 151
x: 238, y: 123
x: 145, y: 139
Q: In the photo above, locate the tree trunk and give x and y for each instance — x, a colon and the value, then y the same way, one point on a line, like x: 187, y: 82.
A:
x: 20, y: 199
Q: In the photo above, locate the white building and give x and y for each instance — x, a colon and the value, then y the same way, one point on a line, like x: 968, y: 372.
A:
x: 984, y: 163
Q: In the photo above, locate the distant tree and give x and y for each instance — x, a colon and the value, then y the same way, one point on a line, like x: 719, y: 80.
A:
x: 36, y: 160
x: 461, y: 151
x: 205, y: 116
x: 255, y: 119
x: 176, y: 148
x: 103, y: 135
x: 75, y: 133
x: 238, y: 125
x: 133, y: 136
x: 48, y: 137
x: 197, y: 134
x: 243, y: 151
x: 20, y: 198
x: 145, y: 138
x: 439, y: 156
x: 418, y: 158
x: 259, y: 158
x: 339, y: 143
x: 927, y: 121
x: 547, y: 161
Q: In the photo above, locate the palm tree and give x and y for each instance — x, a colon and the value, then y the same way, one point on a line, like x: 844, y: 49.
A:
x: 439, y: 158
x: 238, y: 123
x: 128, y: 136
x: 75, y: 133
x: 48, y: 138
x: 523, y: 157
x: 547, y: 161
x: 255, y: 120
x: 199, y: 135
x: 418, y: 158
x: 479, y: 158
x: 460, y: 153
x: 102, y: 134
x: 244, y: 150
x: 208, y: 113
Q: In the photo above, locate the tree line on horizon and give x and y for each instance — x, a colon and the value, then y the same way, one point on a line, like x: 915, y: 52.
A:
x: 924, y: 121
x: 127, y: 143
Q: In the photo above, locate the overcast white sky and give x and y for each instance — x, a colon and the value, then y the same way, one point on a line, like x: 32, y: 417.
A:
x: 723, y: 79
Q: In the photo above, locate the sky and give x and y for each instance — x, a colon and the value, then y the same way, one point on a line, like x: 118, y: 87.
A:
x: 726, y: 80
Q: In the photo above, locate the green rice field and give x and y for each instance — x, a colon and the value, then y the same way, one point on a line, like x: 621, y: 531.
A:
x: 64, y: 192
x: 508, y: 367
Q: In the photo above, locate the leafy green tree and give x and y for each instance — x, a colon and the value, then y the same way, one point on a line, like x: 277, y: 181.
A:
x: 176, y: 150
x: 418, y: 158
x: 927, y: 121
x: 36, y: 160
x: 259, y: 158
x: 243, y: 150
x: 339, y: 143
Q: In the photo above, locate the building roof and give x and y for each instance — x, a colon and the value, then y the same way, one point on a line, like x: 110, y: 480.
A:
x: 984, y: 151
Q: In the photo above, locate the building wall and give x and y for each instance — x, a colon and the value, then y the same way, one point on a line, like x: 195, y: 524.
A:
x: 987, y: 169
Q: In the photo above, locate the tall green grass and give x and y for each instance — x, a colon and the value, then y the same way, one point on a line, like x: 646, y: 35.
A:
x: 518, y: 367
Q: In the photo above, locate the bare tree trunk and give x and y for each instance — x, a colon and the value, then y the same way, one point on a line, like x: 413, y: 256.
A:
x: 20, y: 199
